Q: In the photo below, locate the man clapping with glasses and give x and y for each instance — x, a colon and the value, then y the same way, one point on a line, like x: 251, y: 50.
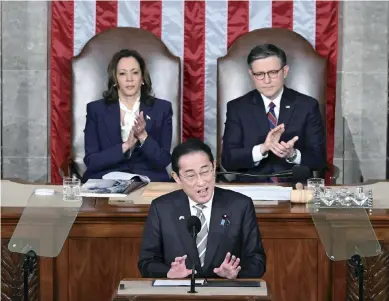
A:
x: 273, y: 127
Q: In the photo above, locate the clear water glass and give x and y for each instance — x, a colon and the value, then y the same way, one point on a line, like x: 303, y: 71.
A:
x: 361, y: 196
x: 327, y: 196
x: 345, y: 197
x: 315, y: 184
x: 71, y: 189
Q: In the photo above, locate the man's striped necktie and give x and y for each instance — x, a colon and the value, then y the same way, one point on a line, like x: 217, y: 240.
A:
x: 202, y: 236
x: 271, y: 116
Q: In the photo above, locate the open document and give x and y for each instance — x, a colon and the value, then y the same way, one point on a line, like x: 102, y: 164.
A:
x: 113, y: 184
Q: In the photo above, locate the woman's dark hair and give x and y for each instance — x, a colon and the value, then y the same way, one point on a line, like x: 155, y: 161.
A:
x: 111, y: 95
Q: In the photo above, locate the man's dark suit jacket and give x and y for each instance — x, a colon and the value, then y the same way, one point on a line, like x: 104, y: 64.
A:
x: 247, y: 125
x: 166, y: 236
x: 103, y: 142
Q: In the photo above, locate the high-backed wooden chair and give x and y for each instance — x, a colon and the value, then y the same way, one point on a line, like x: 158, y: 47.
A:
x: 89, y: 80
x: 307, y: 72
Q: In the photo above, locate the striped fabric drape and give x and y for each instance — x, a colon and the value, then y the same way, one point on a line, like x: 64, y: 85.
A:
x: 197, y: 31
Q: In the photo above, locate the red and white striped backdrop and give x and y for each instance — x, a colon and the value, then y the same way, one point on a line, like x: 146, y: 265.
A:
x: 197, y: 31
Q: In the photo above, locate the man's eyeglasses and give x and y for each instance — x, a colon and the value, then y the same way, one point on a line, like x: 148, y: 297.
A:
x: 191, y: 177
x: 271, y: 74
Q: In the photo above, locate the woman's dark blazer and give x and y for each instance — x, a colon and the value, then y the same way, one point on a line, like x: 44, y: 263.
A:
x: 103, y: 142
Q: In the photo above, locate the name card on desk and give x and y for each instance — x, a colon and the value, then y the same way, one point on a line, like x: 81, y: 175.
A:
x: 179, y: 282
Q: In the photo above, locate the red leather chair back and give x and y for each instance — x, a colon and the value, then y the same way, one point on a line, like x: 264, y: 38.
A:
x: 307, y: 72
x: 89, y: 77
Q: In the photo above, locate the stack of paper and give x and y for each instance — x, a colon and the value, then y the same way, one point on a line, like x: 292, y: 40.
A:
x: 262, y: 192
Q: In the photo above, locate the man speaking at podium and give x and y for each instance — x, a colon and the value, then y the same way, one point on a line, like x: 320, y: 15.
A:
x: 228, y: 244
x: 272, y: 128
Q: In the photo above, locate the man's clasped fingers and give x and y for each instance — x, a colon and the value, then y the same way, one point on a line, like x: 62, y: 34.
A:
x: 277, y: 132
x: 278, y: 150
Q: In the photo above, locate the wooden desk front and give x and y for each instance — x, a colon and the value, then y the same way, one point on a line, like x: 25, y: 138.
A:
x: 142, y: 289
x: 104, y: 242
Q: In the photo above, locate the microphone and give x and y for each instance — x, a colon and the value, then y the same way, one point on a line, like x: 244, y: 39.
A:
x: 193, y: 225
x: 297, y: 172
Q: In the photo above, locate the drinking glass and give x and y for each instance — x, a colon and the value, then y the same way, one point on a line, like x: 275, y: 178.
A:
x: 327, y: 197
x: 315, y: 183
x: 71, y: 189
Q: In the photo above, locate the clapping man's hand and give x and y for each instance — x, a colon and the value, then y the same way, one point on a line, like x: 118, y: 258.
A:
x: 272, y: 138
x: 280, y: 149
x: 284, y: 149
x: 289, y: 147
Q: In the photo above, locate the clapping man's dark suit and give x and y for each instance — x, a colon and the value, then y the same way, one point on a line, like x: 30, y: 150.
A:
x: 250, y: 145
x: 168, y: 248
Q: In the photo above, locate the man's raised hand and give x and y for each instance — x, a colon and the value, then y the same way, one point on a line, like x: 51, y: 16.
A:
x: 272, y: 137
x: 178, y: 268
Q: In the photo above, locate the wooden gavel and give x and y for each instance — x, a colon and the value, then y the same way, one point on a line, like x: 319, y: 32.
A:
x: 301, y: 196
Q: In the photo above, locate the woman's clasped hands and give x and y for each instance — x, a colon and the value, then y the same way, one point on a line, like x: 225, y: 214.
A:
x: 138, y: 132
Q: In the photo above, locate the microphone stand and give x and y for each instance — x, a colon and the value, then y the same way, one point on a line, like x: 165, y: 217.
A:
x: 356, y: 261
x: 28, y: 265
x: 192, y: 277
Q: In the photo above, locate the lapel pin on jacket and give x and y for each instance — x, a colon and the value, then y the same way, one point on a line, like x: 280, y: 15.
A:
x: 224, y: 222
x: 181, y: 217
x: 288, y: 107
x: 148, y: 117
